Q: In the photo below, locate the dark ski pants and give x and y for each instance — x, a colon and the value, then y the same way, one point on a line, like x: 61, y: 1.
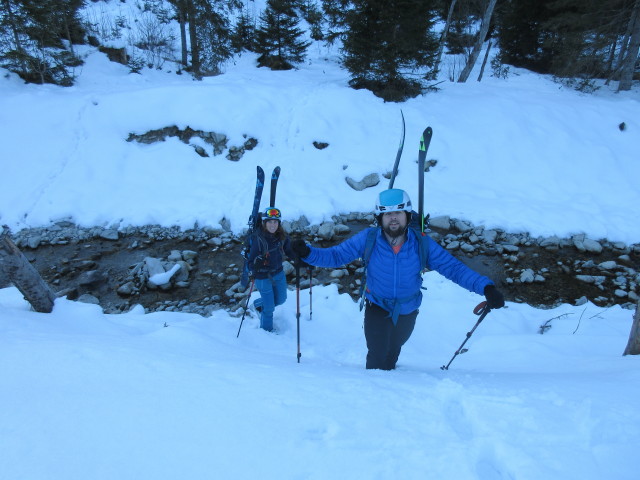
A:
x: 384, y: 339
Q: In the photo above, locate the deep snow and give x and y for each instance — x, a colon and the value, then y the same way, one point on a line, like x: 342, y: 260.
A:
x: 171, y: 395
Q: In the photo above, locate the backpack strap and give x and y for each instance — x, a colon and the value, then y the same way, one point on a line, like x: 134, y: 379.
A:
x: 423, y: 248
x: 372, y: 234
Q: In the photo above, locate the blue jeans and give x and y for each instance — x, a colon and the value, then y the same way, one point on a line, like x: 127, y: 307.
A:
x: 273, y: 292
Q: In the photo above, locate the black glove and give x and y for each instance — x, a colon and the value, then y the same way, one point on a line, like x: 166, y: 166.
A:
x: 304, y: 264
x: 300, y: 248
x: 259, y: 262
x: 495, y: 299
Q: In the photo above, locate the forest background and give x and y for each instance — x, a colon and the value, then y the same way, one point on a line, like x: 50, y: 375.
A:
x: 392, y: 48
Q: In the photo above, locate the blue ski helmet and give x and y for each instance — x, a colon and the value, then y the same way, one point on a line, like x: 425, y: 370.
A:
x: 393, y: 200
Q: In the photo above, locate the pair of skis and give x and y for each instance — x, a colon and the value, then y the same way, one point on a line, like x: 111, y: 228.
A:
x: 425, y: 140
x: 255, y: 218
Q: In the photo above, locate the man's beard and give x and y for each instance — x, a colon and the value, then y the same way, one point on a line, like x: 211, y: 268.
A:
x: 393, y: 233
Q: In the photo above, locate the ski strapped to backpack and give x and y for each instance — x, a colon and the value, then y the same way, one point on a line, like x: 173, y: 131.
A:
x: 425, y: 140
x: 394, y: 172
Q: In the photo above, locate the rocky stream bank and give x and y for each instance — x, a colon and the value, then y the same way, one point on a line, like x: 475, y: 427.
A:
x: 198, y: 270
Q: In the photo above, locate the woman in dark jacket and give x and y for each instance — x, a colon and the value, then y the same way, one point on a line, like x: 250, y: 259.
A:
x: 268, y: 248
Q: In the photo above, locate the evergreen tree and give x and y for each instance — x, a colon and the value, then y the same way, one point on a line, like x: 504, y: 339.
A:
x: 388, y: 46
x: 571, y: 39
x: 31, y: 39
x: 278, y: 39
x: 524, y: 41
x: 313, y: 15
x: 335, y: 13
x: 209, y: 33
x: 243, y: 36
x: 581, y: 32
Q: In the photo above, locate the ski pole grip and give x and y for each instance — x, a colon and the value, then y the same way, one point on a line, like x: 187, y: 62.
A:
x: 479, y: 308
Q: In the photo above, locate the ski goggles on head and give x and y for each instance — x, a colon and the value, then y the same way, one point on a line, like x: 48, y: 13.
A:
x: 272, y: 213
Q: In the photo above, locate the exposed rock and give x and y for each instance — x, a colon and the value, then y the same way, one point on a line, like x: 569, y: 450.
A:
x: 86, y: 298
x: 109, y: 234
x: 326, y: 230
x: 609, y: 265
x: 527, y: 276
x: 550, y: 243
x: 370, y: 180
x: 442, y: 222
x: 91, y: 277
x: 463, y: 226
x: 592, y: 246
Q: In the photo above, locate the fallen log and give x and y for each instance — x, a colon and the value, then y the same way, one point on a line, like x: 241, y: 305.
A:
x: 24, y: 276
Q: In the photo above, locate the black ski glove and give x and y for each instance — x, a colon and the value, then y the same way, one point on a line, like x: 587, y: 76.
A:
x: 300, y: 248
x: 495, y: 299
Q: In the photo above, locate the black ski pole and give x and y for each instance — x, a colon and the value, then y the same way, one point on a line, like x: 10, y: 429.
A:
x: 481, y: 309
x: 310, y: 296
x: 298, y: 304
x: 246, y: 307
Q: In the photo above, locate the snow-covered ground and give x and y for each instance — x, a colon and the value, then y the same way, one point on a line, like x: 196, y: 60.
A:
x: 170, y: 395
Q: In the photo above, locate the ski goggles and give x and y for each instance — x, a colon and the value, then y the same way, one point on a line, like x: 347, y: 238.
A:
x: 272, y: 214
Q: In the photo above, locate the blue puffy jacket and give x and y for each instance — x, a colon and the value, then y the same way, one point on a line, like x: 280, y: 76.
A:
x: 394, y: 280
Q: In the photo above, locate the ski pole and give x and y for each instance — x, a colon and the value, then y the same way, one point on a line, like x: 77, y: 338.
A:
x: 310, y: 296
x: 298, y: 304
x: 246, y: 307
x: 481, y: 309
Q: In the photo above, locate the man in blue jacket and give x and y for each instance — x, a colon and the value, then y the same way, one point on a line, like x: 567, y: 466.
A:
x: 393, y: 275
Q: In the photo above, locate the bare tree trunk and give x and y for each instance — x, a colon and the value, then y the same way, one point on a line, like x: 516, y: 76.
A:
x: 68, y: 33
x: 484, y: 28
x: 193, y: 37
x: 633, y: 347
x: 24, y: 276
x: 484, y: 62
x: 443, y: 36
x: 624, y: 44
x: 629, y: 63
x: 610, y: 60
x: 182, y: 20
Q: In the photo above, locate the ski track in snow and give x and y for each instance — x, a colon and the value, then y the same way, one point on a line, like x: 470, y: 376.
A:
x: 91, y: 388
